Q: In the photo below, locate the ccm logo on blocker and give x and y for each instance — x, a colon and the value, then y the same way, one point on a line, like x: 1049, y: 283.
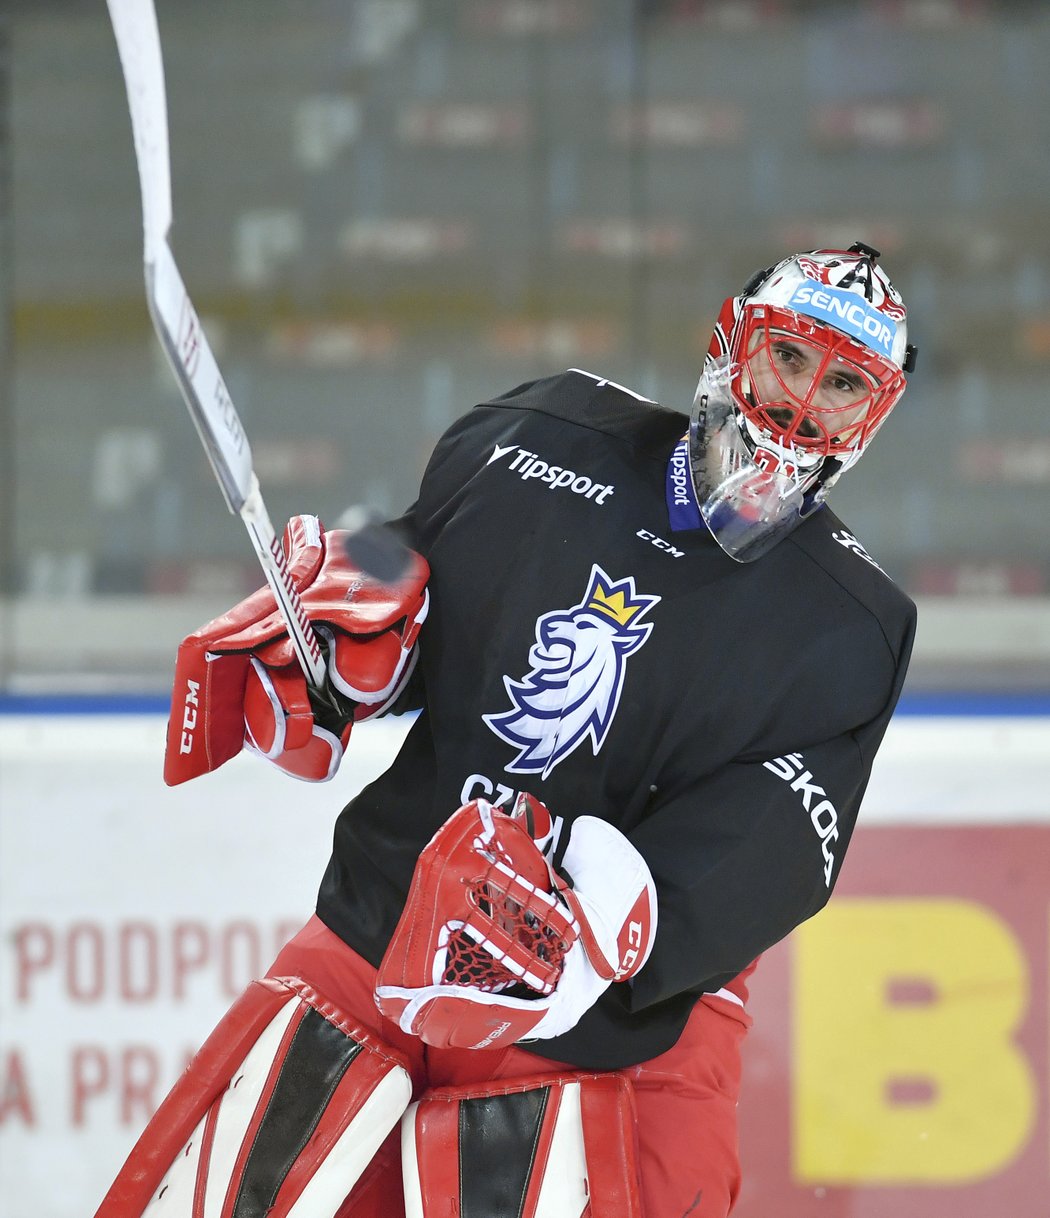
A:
x: 189, y: 716
x: 528, y: 465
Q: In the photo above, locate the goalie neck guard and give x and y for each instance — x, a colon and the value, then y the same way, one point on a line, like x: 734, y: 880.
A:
x: 804, y: 367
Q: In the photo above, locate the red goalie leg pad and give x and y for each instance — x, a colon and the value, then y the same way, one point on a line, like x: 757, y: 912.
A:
x: 562, y: 1146
x: 278, y: 1115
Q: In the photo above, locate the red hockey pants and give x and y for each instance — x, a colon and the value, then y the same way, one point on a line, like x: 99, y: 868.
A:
x: 685, y: 1098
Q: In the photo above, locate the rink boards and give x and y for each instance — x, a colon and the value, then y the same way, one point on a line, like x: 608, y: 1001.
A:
x: 898, y: 1064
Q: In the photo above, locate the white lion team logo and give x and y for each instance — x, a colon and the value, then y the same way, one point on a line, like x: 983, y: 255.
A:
x: 578, y: 664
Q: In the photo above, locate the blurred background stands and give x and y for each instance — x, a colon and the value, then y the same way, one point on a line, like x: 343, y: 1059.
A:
x: 387, y: 210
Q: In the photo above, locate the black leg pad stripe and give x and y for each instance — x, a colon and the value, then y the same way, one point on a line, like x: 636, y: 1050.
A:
x: 318, y: 1057
x: 497, y: 1148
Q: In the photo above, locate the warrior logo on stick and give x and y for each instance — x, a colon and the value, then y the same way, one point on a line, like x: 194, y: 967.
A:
x: 578, y: 664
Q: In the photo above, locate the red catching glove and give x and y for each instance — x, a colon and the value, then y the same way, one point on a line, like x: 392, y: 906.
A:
x: 494, y: 946
x: 238, y: 682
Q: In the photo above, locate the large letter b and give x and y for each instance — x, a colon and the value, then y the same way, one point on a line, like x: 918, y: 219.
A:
x: 905, y: 1065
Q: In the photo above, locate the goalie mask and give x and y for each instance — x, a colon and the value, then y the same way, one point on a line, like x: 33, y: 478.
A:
x: 804, y: 367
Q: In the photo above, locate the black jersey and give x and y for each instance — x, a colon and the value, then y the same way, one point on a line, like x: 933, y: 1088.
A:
x: 724, y: 716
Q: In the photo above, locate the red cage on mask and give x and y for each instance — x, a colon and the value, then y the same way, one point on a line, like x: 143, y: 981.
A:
x: 807, y: 386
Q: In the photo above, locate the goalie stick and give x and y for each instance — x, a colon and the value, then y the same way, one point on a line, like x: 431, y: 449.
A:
x: 178, y: 327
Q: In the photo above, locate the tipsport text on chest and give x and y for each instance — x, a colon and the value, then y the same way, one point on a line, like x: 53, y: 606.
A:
x: 530, y: 466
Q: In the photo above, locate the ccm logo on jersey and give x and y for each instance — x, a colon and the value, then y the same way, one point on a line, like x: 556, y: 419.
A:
x: 823, y: 814
x: 527, y: 465
x: 190, y: 709
x: 660, y: 544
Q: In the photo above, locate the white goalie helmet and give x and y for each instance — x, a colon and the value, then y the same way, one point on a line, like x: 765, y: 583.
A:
x: 804, y: 367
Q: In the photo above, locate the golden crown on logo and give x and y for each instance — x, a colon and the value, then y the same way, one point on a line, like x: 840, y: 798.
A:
x: 612, y: 604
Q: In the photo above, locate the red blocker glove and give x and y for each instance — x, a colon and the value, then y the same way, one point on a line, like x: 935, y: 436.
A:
x: 238, y: 682
x: 495, y: 946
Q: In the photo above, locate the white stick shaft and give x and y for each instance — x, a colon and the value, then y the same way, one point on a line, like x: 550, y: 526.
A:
x: 275, y: 566
x: 138, y: 42
x: 179, y: 328
x: 193, y: 362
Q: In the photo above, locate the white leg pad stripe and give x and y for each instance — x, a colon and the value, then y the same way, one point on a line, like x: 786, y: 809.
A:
x: 410, y: 1164
x: 355, y: 1148
x: 563, y: 1182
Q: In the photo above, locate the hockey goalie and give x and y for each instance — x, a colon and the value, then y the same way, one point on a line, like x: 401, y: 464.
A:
x: 633, y: 768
